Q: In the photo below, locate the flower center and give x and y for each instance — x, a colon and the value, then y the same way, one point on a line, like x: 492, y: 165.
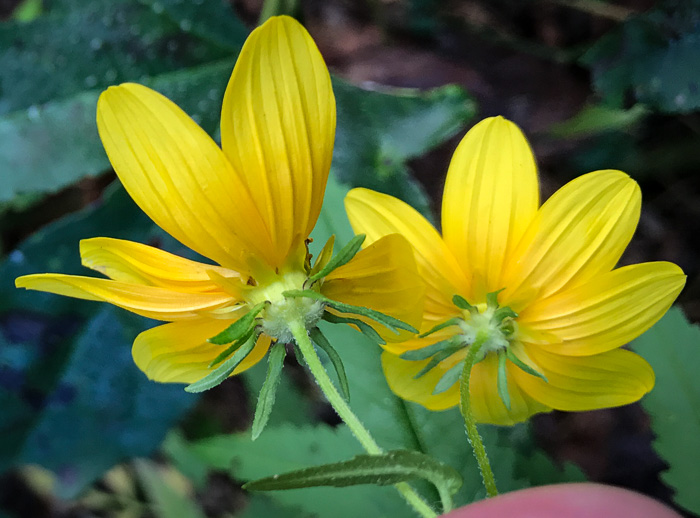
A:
x: 279, y: 310
x: 492, y: 326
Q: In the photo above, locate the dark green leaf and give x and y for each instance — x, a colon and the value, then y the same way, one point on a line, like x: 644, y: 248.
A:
x: 364, y: 327
x: 492, y: 298
x: 239, y: 328
x: 379, y: 131
x: 342, y: 257
x: 394, y: 324
x: 218, y: 375
x: 502, y: 313
x: 266, y: 399
x: 389, y: 468
x: 65, y: 407
x: 672, y: 347
x: 653, y: 57
x: 321, y: 341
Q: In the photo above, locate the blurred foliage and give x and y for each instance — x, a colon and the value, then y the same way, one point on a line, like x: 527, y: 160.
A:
x: 672, y: 347
x: 653, y: 58
x: 72, y: 399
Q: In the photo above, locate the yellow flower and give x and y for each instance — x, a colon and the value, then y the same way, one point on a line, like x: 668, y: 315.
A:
x: 249, y: 206
x: 554, y: 331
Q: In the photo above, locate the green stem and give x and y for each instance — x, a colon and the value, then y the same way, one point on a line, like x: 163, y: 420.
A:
x: 469, y: 422
x: 272, y: 8
x: 343, y: 410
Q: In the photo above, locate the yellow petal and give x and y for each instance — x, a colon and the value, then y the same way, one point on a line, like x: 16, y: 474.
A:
x: 491, y: 195
x: 486, y: 404
x: 278, y: 127
x: 179, y: 352
x: 177, y: 174
x: 378, y: 215
x: 579, y: 233
x: 382, y: 277
x: 136, y: 263
x: 577, y: 383
x: 609, y: 310
x: 148, y: 301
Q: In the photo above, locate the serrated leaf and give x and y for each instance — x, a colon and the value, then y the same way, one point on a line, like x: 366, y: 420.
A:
x: 219, y: 375
x: 672, y: 347
x: 653, y: 57
x: 268, y: 392
x: 64, y: 408
x: 388, y: 468
x: 288, y: 448
x: 342, y: 257
x: 379, y: 131
x: 322, y: 342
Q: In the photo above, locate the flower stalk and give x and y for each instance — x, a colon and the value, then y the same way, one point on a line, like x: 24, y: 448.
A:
x: 477, y: 444
x: 340, y: 405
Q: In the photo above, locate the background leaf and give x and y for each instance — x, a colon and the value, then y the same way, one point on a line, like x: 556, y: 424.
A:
x: 672, y: 347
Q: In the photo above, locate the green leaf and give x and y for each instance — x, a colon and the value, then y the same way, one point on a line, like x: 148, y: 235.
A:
x: 58, y: 393
x: 266, y: 400
x: 288, y: 448
x: 379, y: 131
x: 321, y: 341
x: 218, y: 375
x: 364, y: 327
x: 653, y: 57
x: 672, y: 347
x: 389, y: 468
x: 394, y: 324
x: 342, y: 257
x: 166, y: 501
x: 239, y: 328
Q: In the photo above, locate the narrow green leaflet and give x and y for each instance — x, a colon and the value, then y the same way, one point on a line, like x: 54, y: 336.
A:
x: 462, y: 303
x: 672, y: 347
x: 239, y: 328
x: 502, y: 379
x: 394, y: 324
x: 364, y: 327
x: 322, y: 342
x: 524, y: 366
x: 437, y: 358
x: 389, y: 468
x: 232, y: 348
x: 426, y: 352
x: 342, y: 257
x: 222, y: 372
x: 447, y: 323
x: 449, y: 378
x: 266, y: 399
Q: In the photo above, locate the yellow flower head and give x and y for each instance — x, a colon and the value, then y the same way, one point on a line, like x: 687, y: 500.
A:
x: 249, y: 206
x: 536, y: 286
